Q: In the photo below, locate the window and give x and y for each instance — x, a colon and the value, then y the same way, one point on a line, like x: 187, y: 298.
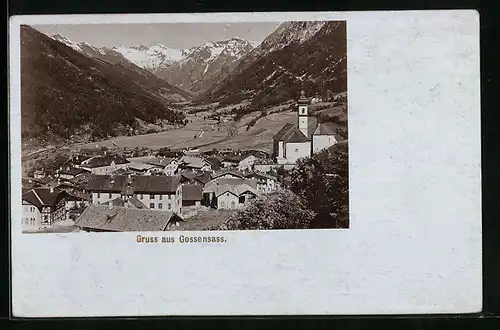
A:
x: 151, y: 205
x: 169, y: 196
x: 296, y: 150
x: 110, y: 195
x: 142, y: 196
x: 169, y: 206
x: 152, y: 196
x: 241, y: 200
x: 160, y: 197
x: 227, y: 194
x: 98, y: 195
x: 160, y: 206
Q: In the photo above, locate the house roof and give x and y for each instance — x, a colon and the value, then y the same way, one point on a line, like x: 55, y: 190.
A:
x: 43, y: 197
x: 227, y: 171
x: 192, y: 192
x: 137, y: 166
x: 72, y: 171
x: 134, y: 184
x: 191, y: 161
x: 236, y: 190
x: 215, y: 184
x: 118, y: 218
x: 100, y: 161
x: 115, y: 202
x: 215, y: 162
x: 159, y: 161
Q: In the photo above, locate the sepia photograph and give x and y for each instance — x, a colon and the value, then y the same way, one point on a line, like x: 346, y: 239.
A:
x: 184, y: 126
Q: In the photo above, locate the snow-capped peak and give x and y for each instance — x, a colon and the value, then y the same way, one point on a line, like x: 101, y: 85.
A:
x: 151, y: 57
x: 67, y: 42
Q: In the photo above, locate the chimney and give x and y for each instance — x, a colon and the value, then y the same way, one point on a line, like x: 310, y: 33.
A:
x: 51, y: 189
x: 110, y: 206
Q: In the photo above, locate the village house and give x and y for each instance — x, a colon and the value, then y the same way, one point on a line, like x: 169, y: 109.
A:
x: 198, y: 178
x: 109, y: 218
x: 194, y: 163
x: 232, y: 160
x: 192, y: 195
x: 140, y: 168
x: 155, y: 192
x: 104, y: 164
x: 223, y: 193
x: 42, y: 208
x: 39, y: 174
x: 266, y: 183
x: 167, y: 165
x: 293, y: 142
x: 69, y: 172
x: 214, y: 162
x: 247, y: 163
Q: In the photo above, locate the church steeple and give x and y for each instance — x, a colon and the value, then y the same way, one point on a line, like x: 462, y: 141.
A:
x: 303, y: 114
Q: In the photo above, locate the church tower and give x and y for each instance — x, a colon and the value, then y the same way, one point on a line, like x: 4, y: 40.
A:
x: 303, y: 114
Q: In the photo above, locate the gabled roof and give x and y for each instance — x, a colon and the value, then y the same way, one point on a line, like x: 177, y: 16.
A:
x: 137, y: 166
x: 118, y: 218
x: 284, y: 130
x: 72, y: 171
x: 159, y: 161
x: 194, y: 162
x: 40, y: 197
x: 325, y: 129
x: 136, y: 184
x: 227, y: 171
x: 215, y: 162
x: 236, y: 190
x: 155, y: 183
x: 100, y: 161
x: 216, y: 184
x: 192, y: 192
x: 295, y: 136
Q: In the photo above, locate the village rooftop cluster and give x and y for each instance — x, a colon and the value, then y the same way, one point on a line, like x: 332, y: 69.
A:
x: 98, y: 190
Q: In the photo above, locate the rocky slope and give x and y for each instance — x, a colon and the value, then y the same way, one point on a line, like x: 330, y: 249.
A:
x: 194, y: 69
x: 298, y: 55
x: 66, y: 93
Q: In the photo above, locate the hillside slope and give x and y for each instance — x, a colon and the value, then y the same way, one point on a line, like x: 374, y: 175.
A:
x: 298, y: 55
x: 64, y: 92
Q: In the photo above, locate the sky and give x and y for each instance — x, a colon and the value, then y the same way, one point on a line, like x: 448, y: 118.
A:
x: 173, y: 35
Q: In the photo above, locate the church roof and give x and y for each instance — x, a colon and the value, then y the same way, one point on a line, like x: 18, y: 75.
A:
x: 284, y: 130
x: 325, y: 129
x: 290, y: 133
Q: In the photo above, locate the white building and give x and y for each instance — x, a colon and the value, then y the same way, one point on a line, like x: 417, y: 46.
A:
x: 104, y: 164
x: 223, y: 193
x: 247, y: 163
x: 155, y: 192
x: 41, y: 208
x: 265, y: 183
x: 296, y: 141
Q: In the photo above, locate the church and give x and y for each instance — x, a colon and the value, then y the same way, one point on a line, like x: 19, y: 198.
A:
x: 300, y: 140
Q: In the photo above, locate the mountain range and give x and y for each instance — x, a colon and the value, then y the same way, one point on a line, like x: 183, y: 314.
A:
x: 194, y: 69
x: 66, y: 93
x: 297, y: 55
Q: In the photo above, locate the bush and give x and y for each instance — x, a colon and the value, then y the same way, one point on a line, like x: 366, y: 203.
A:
x: 323, y: 182
x: 280, y: 210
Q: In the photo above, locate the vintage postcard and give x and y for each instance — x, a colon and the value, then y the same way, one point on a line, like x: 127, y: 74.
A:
x: 245, y: 164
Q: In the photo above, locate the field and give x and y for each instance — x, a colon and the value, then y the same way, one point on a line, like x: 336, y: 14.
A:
x: 209, y: 134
